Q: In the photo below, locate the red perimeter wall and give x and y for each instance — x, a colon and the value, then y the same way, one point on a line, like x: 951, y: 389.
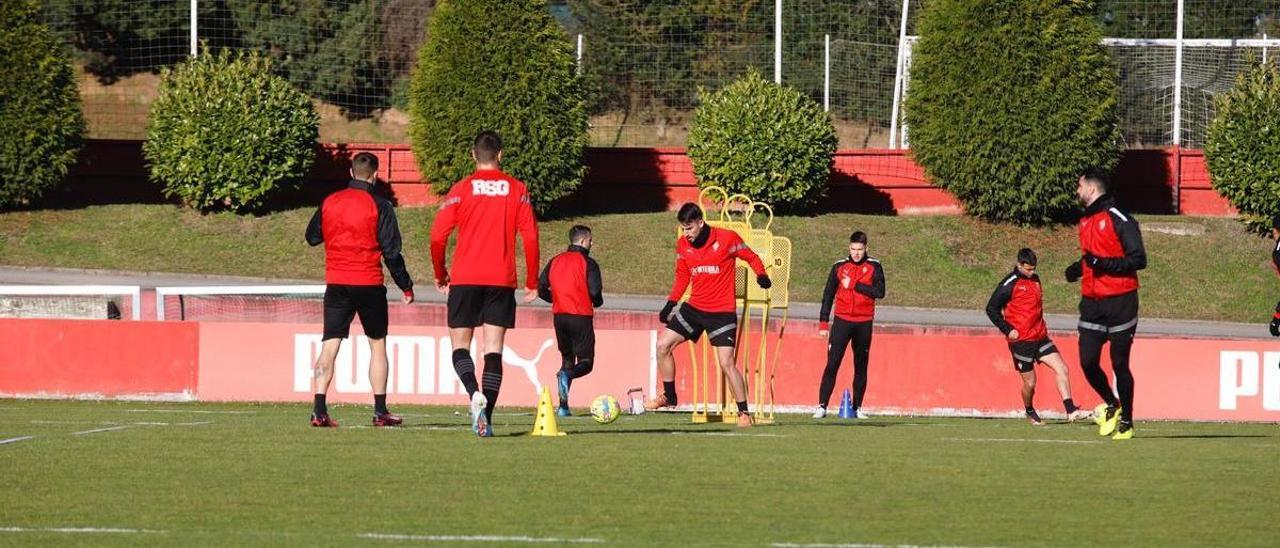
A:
x: 882, y: 181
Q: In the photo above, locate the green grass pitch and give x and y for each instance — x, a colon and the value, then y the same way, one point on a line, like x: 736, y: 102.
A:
x: 176, y: 474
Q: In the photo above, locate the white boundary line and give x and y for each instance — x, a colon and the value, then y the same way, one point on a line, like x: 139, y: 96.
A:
x: 77, y: 530
x: 480, y: 538
x: 1022, y: 440
x: 97, y: 430
x: 16, y: 440
x: 192, y: 411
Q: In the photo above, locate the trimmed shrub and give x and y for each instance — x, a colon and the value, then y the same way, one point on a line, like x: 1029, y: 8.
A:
x: 1009, y: 102
x: 764, y: 140
x: 1243, y: 147
x: 503, y: 65
x: 225, y: 133
x: 41, y: 124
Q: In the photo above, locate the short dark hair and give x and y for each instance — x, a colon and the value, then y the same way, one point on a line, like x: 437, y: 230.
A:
x: 689, y: 212
x: 578, y: 232
x: 487, y: 146
x: 858, y: 237
x: 364, y: 165
x: 1026, y: 256
x: 1098, y: 177
x: 1275, y: 222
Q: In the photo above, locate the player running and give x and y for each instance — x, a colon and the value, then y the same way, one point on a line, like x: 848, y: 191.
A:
x: 1111, y: 255
x: 359, y: 231
x: 853, y: 286
x: 488, y: 208
x: 705, y: 258
x: 1016, y: 307
x: 571, y: 283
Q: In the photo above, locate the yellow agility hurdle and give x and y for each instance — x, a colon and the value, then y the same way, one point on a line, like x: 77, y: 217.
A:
x: 758, y: 305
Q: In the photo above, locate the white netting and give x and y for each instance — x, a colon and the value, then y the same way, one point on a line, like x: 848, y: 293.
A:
x: 70, y: 302
x: 261, y: 304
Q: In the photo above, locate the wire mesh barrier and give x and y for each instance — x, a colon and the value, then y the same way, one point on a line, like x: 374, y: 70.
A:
x: 645, y: 62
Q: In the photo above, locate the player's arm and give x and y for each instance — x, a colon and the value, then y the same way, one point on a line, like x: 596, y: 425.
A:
x: 740, y: 250
x: 315, y: 229
x: 544, y: 282
x: 1135, y: 254
x: 828, y: 298
x: 1275, y: 322
x: 527, y: 225
x: 595, y: 286
x: 995, y: 305
x: 390, y: 242
x: 1275, y: 257
x: 441, y: 228
x: 876, y: 289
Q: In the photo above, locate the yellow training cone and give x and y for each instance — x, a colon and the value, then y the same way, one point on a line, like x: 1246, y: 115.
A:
x: 545, y: 424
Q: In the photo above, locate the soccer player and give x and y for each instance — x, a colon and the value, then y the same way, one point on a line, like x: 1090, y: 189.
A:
x: 358, y: 229
x: 488, y: 208
x: 571, y: 283
x: 1016, y: 307
x: 705, y: 258
x: 1275, y: 259
x: 1111, y: 256
x: 853, y: 286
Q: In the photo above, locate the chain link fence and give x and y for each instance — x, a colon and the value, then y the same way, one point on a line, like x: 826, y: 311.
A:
x: 645, y: 62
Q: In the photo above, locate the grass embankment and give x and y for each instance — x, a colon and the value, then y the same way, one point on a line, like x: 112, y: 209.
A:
x: 1220, y: 272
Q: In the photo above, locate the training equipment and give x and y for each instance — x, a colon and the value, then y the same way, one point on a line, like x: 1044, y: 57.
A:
x: 759, y: 343
x: 545, y: 423
x: 80, y: 302
x: 846, y: 406
x: 604, y: 409
x: 636, y: 395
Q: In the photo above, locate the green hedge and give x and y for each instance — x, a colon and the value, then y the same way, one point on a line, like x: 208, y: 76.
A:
x: 41, y: 123
x: 503, y: 65
x: 225, y: 133
x: 764, y: 140
x: 1243, y: 147
x: 1009, y: 101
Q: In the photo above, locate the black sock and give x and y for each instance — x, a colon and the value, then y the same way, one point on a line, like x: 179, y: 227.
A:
x: 492, y: 381
x: 1069, y: 405
x: 742, y: 406
x: 466, y: 370
x: 380, y: 403
x: 669, y: 390
x: 1031, y: 411
x: 319, y: 408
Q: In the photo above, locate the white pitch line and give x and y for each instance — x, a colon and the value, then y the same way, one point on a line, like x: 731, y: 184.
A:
x: 193, y: 411
x: 77, y: 530
x: 480, y: 538
x: 1023, y: 440
x: 97, y: 430
x: 16, y: 440
x: 728, y: 434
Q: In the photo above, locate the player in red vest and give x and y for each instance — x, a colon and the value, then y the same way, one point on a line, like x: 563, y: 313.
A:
x: 359, y: 231
x: 488, y: 208
x: 1016, y: 308
x: 853, y: 286
x: 571, y: 283
x: 706, y: 257
x: 1111, y: 254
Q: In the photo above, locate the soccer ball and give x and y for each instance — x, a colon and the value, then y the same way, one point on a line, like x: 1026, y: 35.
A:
x: 604, y: 409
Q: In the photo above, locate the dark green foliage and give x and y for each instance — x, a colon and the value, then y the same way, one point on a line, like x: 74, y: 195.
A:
x: 767, y: 141
x: 1009, y: 102
x: 41, y: 123
x: 503, y: 65
x: 1243, y: 148
x: 225, y: 133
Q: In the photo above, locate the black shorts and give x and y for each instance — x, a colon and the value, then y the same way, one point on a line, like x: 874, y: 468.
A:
x: 343, y: 302
x: 476, y: 305
x: 1027, y: 353
x: 721, y: 327
x: 1109, y: 315
x: 576, y: 336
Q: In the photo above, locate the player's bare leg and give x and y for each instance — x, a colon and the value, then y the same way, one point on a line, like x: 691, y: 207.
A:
x: 727, y: 356
x: 1028, y: 395
x: 321, y: 378
x: 378, y: 366
x: 1059, y: 367
x: 668, y: 340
